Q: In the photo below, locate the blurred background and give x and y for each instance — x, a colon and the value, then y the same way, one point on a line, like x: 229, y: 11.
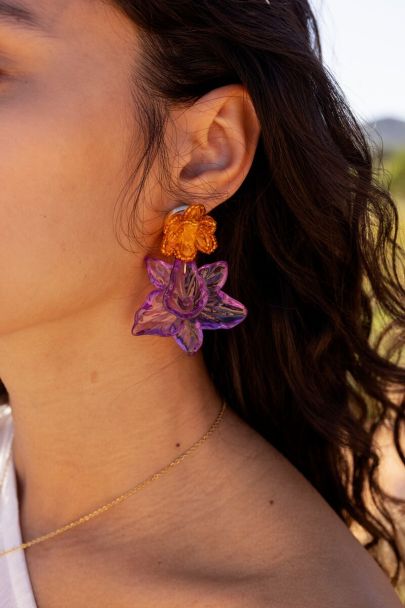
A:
x: 364, y: 48
x: 363, y: 45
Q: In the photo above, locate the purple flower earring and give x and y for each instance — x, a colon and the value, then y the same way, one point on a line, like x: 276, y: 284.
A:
x: 187, y: 299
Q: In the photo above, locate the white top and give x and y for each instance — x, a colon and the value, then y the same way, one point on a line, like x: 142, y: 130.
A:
x: 15, y: 585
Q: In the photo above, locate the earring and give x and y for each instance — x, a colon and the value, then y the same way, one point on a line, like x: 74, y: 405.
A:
x: 186, y: 299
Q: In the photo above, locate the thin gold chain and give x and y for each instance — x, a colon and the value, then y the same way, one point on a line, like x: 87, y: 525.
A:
x: 119, y: 499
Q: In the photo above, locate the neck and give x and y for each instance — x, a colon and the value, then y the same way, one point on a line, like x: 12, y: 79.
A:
x: 96, y: 411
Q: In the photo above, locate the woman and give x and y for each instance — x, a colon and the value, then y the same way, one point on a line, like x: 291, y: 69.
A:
x: 114, y: 115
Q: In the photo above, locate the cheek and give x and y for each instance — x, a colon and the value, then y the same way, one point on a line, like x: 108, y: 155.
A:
x: 61, y: 173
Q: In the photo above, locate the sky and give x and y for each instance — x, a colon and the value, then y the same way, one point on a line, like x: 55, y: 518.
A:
x: 364, y: 47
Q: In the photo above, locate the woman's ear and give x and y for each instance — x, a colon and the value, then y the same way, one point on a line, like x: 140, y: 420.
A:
x: 216, y: 139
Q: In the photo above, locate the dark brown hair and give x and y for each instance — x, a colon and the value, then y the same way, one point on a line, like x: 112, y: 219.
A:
x: 311, y: 238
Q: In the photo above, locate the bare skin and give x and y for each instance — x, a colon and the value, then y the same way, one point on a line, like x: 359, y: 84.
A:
x: 102, y: 408
x: 253, y: 532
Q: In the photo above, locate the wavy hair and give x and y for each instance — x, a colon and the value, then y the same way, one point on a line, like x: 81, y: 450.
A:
x: 311, y: 238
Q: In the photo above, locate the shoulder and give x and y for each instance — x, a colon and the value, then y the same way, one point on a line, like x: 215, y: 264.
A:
x: 296, y: 550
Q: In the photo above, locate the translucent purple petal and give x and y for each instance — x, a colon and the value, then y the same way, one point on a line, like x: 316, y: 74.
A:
x: 221, y: 312
x: 158, y: 271
x: 187, y: 300
x: 189, y: 335
x: 186, y: 294
x: 152, y: 318
x: 214, y: 274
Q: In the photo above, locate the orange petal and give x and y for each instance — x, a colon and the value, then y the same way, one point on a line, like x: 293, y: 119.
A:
x: 208, y: 223
x: 206, y: 242
x: 194, y: 212
x: 171, y: 222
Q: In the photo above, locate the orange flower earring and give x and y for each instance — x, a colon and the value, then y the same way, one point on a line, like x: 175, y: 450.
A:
x: 185, y: 233
x: 186, y: 299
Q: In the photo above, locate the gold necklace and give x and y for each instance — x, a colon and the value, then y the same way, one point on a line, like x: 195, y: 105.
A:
x: 117, y: 500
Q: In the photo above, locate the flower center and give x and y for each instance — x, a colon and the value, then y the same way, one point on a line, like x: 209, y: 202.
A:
x: 186, y: 293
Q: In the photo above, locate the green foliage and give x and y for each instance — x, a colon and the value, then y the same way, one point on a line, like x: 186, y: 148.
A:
x: 391, y: 175
x: 394, y: 164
